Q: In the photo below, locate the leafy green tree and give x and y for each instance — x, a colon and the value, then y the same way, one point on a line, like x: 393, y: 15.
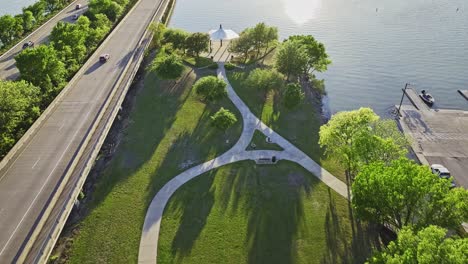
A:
x: 70, y: 42
x: 7, y: 29
x: 405, y: 193
x: 158, y: 30
x: 176, y: 37
x: 242, y: 45
x: 317, y: 57
x: 291, y: 59
x: 223, y: 119
x: 167, y: 66
x: 28, y: 20
x: 100, y: 26
x: 52, y: 5
x: 37, y: 9
x: 108, y: 7
x: 211, y: 88
x: 42, y: 67
x: 265, y: 79
x: 354, y: 138
x: 262, y: 36
x: 197, y: 43
x: 101, y: 21
x: 19, y: 107
x: 426, y: 246
x: 293, y: 95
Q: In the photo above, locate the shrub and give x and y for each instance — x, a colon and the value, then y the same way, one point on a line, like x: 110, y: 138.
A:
x: 223, y: 119
x: 229, y: 66
x: 265, y: 79
x: 167, y: 66
x: 211, y: 88
x: 293, y: 95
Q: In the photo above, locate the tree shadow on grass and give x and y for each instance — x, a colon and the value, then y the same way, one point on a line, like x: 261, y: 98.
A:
x: 144, y: 133
x: 342, y: 249
x: 271, y: 197
x: 194, y: 205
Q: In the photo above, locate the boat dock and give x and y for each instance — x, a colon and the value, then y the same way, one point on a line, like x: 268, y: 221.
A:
x: 464, y: 93
x: 413, y: 96
x: 438, y: 135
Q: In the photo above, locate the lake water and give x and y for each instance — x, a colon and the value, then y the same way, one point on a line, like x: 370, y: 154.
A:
x: 14, y: 7
x: 376, y: 45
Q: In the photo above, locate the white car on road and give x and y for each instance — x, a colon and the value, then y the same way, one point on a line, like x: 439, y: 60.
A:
x: 442, y: 172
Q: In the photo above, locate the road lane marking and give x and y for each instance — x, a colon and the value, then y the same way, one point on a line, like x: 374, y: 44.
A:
x: 35, y: 163
x: 55, y: 167
x: 61, y: 126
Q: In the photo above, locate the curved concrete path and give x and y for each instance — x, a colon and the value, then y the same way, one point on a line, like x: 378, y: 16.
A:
x: 150, y: 234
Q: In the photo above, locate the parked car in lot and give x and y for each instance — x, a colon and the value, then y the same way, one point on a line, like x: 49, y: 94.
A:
x: 78, y: 6
x: 443, y: 173
x: 104, y: 57
x: 28, y: 44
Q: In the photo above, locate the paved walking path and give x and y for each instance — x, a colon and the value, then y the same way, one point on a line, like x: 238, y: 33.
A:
x: 150, y: 233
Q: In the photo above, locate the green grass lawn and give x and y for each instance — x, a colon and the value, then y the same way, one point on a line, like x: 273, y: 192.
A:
x: 300, y: 125
x: 169, y: 132
x: 259, y: 140
x: 198, y: 62
x: 245, y: 213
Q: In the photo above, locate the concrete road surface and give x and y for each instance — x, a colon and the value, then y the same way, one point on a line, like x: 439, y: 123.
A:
x: 27, y: 181
x: 8, y: 70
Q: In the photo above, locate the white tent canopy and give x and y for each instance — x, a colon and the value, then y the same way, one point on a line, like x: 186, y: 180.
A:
x: 222, y: 34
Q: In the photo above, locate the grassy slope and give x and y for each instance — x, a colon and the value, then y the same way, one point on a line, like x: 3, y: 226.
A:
x: 243, y: 213
x: 169, y: 126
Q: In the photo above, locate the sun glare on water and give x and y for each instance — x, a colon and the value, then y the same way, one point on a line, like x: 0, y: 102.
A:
x: 301, y: 11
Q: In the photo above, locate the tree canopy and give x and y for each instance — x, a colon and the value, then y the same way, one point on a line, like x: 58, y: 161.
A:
x: 7, y: 29
x: 167, y: 66
x: 176, y: 37
x: 293, y: 95
x: 426, y: 246
x: 265, y: 79
x: 211, y: 88
x: 41, y: 67
x: 404, y: 193
x: 223, y: 119
x: 197, y: 43
x: 291, y: 58
x: 19, y: 107
x: 317, y: 58
x: 158, y: 30
x: 108, y: 7
x: 254, y: 39
x: 358, y: 137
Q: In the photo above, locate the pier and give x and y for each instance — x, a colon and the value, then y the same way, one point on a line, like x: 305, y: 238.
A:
x: 439, y: 136
x: 464, y: 93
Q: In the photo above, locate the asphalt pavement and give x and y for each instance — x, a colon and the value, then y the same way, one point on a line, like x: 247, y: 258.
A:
x: 8, y: 70
x: 35, y: 171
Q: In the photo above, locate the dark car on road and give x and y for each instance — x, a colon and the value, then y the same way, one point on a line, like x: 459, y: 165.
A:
x: 104, y: 57
x: 78, y: 6
x: 28, y: 44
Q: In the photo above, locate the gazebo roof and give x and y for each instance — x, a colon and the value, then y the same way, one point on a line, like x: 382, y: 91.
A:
x: 222, y: 34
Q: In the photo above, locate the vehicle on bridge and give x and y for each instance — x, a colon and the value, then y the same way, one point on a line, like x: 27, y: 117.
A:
x: 78, y: 6
x: 28, y: 44
x: 104, y: 57
x: 443, y: 173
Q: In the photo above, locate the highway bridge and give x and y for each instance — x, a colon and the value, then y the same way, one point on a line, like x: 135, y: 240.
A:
x: 8, y: 70
x: 43, y: 174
